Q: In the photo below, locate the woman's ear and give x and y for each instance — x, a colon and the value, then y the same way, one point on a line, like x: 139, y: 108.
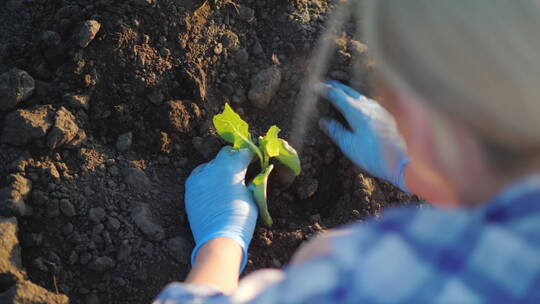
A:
x: 425, y: 174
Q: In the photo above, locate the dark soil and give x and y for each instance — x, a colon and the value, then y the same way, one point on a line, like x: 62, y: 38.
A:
x: 126, y: 102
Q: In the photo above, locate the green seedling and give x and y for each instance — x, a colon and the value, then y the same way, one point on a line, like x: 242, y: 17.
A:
x: 234, y: 130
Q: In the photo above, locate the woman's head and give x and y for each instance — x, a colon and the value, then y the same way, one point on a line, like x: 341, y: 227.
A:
x: 474, y: 65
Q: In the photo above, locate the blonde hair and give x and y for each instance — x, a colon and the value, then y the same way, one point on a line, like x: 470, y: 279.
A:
x: 477, y: 60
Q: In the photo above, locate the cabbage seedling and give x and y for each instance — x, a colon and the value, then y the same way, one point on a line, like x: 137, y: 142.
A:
x: 234, y: 130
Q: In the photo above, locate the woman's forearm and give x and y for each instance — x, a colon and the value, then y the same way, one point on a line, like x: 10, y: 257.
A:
x: 429, y: 185
x: 217, y: 264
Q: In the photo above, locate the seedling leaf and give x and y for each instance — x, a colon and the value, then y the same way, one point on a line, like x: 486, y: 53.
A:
x: 233, y: 129
x: 258, y: 188
x: 270, y: 142
x: 289, y: 157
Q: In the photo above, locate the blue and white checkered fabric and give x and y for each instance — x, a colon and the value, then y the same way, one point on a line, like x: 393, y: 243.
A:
x: 486, y: 255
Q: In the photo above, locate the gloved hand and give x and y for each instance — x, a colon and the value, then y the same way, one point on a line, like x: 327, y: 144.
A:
x: 373, y: 143
x: 218, y: 204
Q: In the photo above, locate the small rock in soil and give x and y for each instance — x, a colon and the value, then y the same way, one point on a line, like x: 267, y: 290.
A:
x: 124, y: 141
x: 307, y: 188
x: 218, y: 49
x: 264, y: 86
x: 87, y: 32
x: 179, y: 249
x: 15, y: 87
x: 96, y: 215
x: 22, y: 126
x: 182, y: 116
x: 102, y: 264
x: 142, y: 217
x: 67, y: 208
x: 64, y: 130
x: 207, y: 146
x: 77, y: 101
x: 136, y: 178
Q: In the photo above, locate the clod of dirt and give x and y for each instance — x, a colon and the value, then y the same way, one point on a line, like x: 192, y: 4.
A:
x: 182, y: 116
x: 96, y: 215
x: 246, y: 14
x: 102, y: 264
x: 13, y: 286
x: 15, y: 87
x: 124, y: 141
x: 77, y: 101
x: 179, y: 249
x: 64, y: 130
x: 142, y: 217
x: 136, y: 178
x: 77, y: 141
x: 307, y: 188
x: 22, y: 126
x: 12, y: 198
x: 87, y: 32
x: 230, y: 40
x: 67, y: 208
x: 264, y: 86
x: 207, y: 146
x: 10, y: 251
x: 26, y: 292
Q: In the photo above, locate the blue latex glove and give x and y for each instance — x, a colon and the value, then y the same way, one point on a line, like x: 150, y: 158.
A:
x: 373, y: 143
x: 218, y: 204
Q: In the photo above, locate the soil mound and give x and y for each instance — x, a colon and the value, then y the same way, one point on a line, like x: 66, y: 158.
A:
x: 106, y: 107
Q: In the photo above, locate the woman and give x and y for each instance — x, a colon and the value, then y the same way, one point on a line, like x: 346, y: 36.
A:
x: 462, y: 80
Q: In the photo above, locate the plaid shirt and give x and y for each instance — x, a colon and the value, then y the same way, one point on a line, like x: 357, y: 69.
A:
x: 413, y: 255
